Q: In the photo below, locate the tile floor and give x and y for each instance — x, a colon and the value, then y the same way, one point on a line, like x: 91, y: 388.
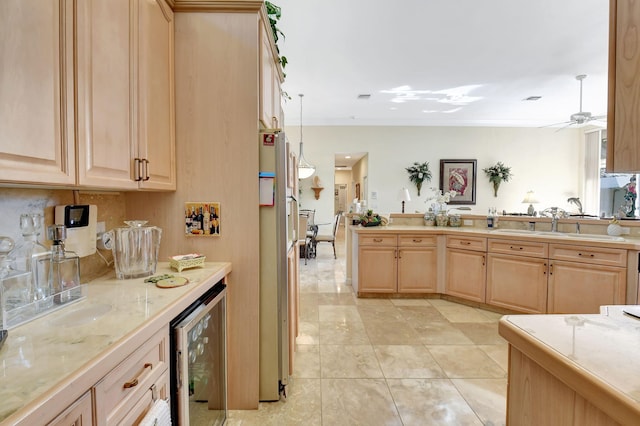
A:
x: 387, y: 361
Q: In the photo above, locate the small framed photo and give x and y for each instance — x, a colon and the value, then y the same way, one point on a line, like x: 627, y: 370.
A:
x: 459, y: 176
x: 202, y: 218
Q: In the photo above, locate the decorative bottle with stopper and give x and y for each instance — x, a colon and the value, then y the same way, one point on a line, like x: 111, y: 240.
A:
x: 64, y: 267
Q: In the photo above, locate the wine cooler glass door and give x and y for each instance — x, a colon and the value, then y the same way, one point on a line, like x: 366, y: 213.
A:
x: 200, y: 341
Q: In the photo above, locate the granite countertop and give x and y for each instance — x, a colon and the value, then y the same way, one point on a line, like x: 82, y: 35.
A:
x: 592, y: 354
x: 556, y: 237
x: 63, y: 351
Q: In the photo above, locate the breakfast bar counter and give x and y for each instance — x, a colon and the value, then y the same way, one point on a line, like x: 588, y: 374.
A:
x: 573, y: 369
x: 50, y: 362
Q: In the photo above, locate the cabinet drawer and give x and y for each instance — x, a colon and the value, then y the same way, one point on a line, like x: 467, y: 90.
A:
x: 382, y: 240
x: 146, y: 401
x: 592, y: 255
x: 531, y: 249
x: 417, y: 240
x: 121, y: 389
x: 467, y: 243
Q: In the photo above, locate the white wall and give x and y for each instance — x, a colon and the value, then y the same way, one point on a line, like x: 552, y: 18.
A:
x: 543, y: 160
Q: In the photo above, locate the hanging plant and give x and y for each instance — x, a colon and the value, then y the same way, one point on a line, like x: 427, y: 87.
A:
x: 418, y: 173
x: 497, y: 174
x: 275, y: 13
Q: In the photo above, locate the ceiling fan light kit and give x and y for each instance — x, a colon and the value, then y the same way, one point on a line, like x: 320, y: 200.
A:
x: 580, y: 117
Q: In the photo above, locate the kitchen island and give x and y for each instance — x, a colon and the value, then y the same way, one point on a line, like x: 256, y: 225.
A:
x: 54, y: 361
x: 573, y: 369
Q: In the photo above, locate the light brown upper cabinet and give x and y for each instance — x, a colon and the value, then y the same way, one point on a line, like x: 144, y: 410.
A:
x: 623, y: 115
x: 270, y: 81
x: 124, y: 94
x: 36, y: 92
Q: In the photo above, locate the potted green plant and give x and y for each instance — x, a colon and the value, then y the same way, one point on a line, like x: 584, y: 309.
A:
x: 418, y: 173
x: 497, y: 174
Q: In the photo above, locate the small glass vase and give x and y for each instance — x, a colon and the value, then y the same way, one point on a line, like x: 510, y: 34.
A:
x: 442, y: 219
x: 430, y: 218
x: 455, y: 220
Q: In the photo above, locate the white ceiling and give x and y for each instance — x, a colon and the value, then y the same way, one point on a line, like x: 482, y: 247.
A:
x: 501, y: 51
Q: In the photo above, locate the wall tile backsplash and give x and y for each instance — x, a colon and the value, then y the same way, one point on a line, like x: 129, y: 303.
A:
x: 15, y: 201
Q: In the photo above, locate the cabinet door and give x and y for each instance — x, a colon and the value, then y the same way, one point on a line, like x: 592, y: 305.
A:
x: 36, y: 92
x: 268, y: 79
x: 466, y: 274
x: 623, y: 126
x: 80, y: 413
x: 417, y: 270
x: 578, y: 288
x: 377, y: 269
x: 104, y: 79
x: 517, y: 282
x: 156, y: 113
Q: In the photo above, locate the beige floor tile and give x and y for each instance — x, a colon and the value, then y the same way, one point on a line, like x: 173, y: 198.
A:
x: 343, y: 333
x: 309, y: 313
x: 498, y: 353
x: 486, y: 397
x: 308, y: 299
x: 308, y: 333
x: 339, y: 313
x: 372, y: 301
x: 407, y: 361
x: 442, y: 302
x: 431, y: 402
x: 410, y: 302
x: 311, y: 287
x: 336, y: 299
x: 489, y: 314
x: 391, y: 333
x: 462, y: 313
x: 334, y: 287
x: 385, y: 312
x: 357, y: 402
x: 307, y: 362
x: 481, y: 333
x: 465, y: 361
x: 349, y: 362
x: 440, y: 333
x: 420, y: 315
x: 302, y: 407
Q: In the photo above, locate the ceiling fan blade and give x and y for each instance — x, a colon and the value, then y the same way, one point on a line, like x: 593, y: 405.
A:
x: 566, y: 123
x: 569, y: 123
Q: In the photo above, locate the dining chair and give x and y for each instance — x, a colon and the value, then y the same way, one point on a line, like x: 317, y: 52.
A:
x: 330, y: 238
x: 302, y: 235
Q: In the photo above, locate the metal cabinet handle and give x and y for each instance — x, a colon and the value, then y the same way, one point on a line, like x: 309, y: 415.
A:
x: 586, y: 255
x: 516, y: 248
x: 137, y: 169
x: 146, y: 169
x: 134, y: 382
x: 484, y: 260
x: 465, y: 243
x: 551, y: 269
x: 545, y: 269
x: 377, y: 240
x: 417, y: 241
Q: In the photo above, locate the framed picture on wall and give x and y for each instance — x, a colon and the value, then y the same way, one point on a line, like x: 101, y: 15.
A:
x: 459, y: 176
x: 202, y: 218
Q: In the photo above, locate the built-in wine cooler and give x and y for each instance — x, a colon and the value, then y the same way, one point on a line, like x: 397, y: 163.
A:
x: 198, y: 355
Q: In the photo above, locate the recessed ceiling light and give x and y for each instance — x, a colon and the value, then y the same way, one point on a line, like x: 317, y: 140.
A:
x: 532, y: 98
x: 364, y: 96
x: 347, y: 156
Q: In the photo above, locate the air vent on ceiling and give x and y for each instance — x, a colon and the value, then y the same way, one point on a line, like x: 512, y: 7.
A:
x: 364, y: 96
x: 533, y: 98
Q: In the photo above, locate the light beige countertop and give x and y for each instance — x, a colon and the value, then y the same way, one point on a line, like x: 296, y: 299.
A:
x: 598, y: 356
x: 509, y: 234
x: 65, y: 351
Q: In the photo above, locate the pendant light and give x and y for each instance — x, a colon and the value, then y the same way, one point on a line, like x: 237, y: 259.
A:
x: 305, y: 169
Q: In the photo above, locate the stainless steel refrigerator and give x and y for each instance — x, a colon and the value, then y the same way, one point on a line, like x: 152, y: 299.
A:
x: 277, y: 237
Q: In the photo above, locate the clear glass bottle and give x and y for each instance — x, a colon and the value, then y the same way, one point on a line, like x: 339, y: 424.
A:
x: 16, y: 292
x: 64, y: 267
x: 28, y: 254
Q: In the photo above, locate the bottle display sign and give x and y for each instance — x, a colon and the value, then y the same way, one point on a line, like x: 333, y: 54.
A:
x: 202, y: 218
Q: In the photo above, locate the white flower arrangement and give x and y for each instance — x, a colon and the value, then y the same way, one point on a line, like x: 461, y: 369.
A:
x: 441, y: 199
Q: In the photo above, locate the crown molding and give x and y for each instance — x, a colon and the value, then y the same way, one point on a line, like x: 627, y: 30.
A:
x: 215, y: 5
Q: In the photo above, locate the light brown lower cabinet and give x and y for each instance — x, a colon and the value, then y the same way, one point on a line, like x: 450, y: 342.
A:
x: 397, y: 264
x: 466, y: 267
x: 536, y: 397
x: 579, y: 288
x: 517, y: 282
x: 127, y: 385
x: 78, y: 414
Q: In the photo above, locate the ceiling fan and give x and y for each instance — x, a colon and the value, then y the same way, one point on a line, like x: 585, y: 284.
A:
x: 580, y: 117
